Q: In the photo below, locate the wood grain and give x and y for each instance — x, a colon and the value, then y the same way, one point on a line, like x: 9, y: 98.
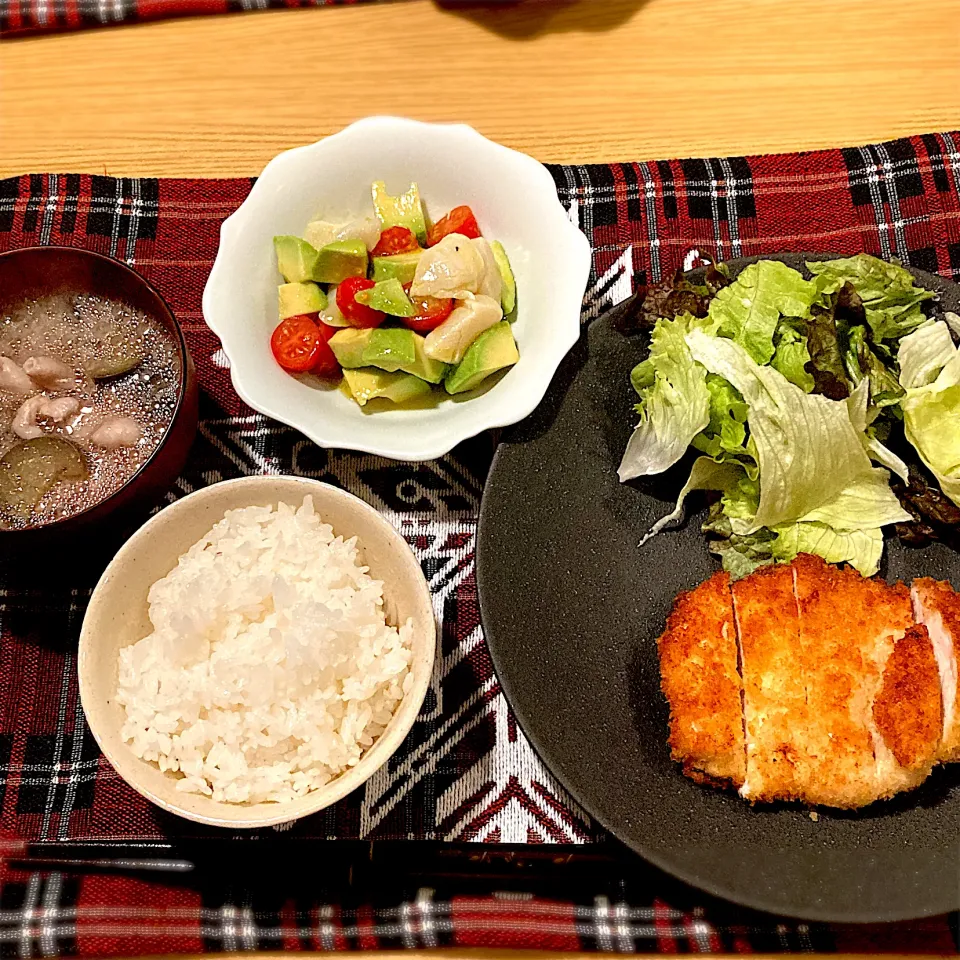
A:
x: 564, y: 80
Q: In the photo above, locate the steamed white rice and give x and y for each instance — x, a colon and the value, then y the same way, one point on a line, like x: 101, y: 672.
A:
x: 271, y: 668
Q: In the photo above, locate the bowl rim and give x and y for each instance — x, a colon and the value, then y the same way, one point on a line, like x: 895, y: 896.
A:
x: 462, y: 428
x: 370, y: 762
x: 181, y: 343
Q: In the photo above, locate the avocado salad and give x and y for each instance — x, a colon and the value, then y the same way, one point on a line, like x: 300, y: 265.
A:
x: 394, y: 306
x: 824, y: 407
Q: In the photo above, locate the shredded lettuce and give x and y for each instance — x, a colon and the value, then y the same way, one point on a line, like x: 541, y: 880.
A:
x: 750, y: 308
x: 674, y: 406
x: 807, y: 446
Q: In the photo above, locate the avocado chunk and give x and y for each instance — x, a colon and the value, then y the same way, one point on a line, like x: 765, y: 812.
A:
x: 295, y: 258
x: 348, y: 346
x: 403, y: 211
x: 493, y: 350
x: 339, y: 260
x: 394, y: 348
x: 367, y: 384
x: 400, y: 266
x: 508, y: 293
x: 297, y: 298
x: 388, y: 296
x: 29, y: 470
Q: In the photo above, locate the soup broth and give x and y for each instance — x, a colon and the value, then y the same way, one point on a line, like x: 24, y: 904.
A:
x: 116, y: 372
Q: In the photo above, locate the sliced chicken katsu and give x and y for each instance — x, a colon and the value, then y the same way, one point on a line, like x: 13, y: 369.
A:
x: 864, y: 738
x: 698, y: 668
x: 907, y: 712
x: 937, y: 606
x: 774, y: 697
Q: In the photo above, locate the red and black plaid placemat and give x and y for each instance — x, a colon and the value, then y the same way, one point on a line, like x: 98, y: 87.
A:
x: 466, y: 773
x: 19, y: 17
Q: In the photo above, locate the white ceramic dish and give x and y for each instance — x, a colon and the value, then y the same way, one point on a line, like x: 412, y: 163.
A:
x: 515, y: 200
x: 117, y: 617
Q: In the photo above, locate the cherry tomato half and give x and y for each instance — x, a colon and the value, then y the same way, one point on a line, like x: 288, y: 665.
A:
x: 327, y: 364
x: 395, y: 240
x: 357, y: 314
x: 431, y: 312
x: 296, y: 343
x: 459, y: 220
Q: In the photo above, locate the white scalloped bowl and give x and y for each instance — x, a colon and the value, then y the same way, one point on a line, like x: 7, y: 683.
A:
x: 515, y: 200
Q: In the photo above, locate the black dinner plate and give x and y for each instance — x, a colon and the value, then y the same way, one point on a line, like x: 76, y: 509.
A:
x: 571, y: 608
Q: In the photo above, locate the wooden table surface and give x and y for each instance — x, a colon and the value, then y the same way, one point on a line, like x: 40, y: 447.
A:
x: 564, y: 80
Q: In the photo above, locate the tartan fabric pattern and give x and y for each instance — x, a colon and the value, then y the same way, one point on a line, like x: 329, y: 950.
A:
x: 58, y: 915
x: 19, y: 17
x: 466, y: 772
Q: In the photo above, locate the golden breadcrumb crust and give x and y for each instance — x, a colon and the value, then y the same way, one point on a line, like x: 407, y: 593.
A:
x: 840, y: 698
x: 908, y: 710
x: 698, y: 668
x: 775, y: 704
x: 939, y: 597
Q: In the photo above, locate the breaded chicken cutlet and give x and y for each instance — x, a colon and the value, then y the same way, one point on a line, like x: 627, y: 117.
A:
x: 834, y: 693
x: 937, y: 607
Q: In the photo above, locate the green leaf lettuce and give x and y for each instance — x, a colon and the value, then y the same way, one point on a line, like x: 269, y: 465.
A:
x: 807, y: 446
x: 675, y: 401
x: 749, y: 309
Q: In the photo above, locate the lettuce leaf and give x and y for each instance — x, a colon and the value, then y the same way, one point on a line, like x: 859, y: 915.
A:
x: 726, y: 433
x: 891, y: 301
x: 860, y: 548
x: 669, y: 298
x: 674, y: 407
x: 895, y: 322
x: 740, y: 502
x: 740, y: 554
x: 924, y: 353
x: 826, y: 359
x: 705, y: 474
x: 931, y: 415
x: 935, y: 516
x: 867, y: 503
x: 862, y: 362
x: 792, y: 356
x: 862, y: 417
x: 807, y: 447
x: 749, y: 310
x: 882, y: 454
x: 643, y: 376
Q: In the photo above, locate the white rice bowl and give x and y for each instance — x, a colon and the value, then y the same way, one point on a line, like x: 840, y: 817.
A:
x: 271, y: 668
